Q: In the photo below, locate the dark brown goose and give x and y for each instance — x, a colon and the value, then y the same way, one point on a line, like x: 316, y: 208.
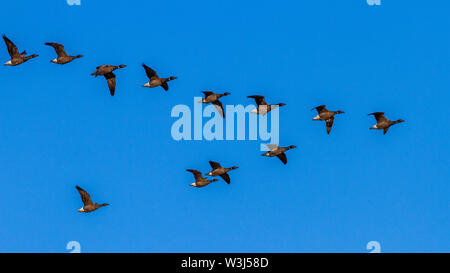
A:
x: 89, y: 206
x: 16, y: 57
x: 106, y: 70
x: 262, y: 106
x: 275, y: 150
x: 200, y: 181
x: 211, y: 97
x: 220, y: 171
x: 155, y: 80
x: 326, y: 115
x: 63, y: 57
x: 382, y: 122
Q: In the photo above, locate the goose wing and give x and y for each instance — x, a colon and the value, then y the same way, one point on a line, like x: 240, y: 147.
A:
x: 226, y: 177
x: 165, y: 86
x: 258, y: 99
x: 320, y: 108
x: 283, y: 158
x: 111, y: 79
x: 379, y: 116
x: 214, y: 165
x: 207, y: 93
x: 197, y: 175
x: 12, y: 48
x: 150, y: 72
x: 219, y: 107
x: 329, y: 124
x: 85, y: 197
x: 59, y: 48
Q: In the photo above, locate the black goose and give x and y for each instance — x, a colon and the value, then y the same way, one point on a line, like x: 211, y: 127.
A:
x: 106, y: 70
x: 382, y: 122
x: 16, y: 57
x: 200, y: 181
x: 155, y: 80
x: 262, y: 106
x: 63, y: 57
x: 89, y: 206
x: 275, y: 150
x: 211, y: 97
x: 220, y: 171
x: 326, y: 115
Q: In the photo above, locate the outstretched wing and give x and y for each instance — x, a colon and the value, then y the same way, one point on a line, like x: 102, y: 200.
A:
x: 385, y: 130
x: 272, y: 147
x: 111, y: 79
x: 379, y: 116
x: 207, y: 93
x: 226, y: 177
x: 283, y: 158
x: 219, y: 107
x: 320, y: 108
x: 258, y: 99
x: 85, y: 197
x: 165, y: 86
x: 329, y: 124
x: 59, y: 48
x: 197, y: 175
x: 214, y: 165
x: 150, y: 72
x: 12, y: 48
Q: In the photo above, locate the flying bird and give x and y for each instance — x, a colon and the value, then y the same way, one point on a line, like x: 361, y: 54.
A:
x: 326, y: 115
x: 211, y: 97
x: 106, y: 70
x: 262, y: 107
x: 200, y: 181
x: 218, y: 170
x: 63, y: 57
x: 89, y: 206
x: 155, y: 80
x: 16, y: 57
x: 382, y: 122
x: 275, y: 150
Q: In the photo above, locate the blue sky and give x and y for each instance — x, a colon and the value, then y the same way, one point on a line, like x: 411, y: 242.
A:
x: 59, y: 127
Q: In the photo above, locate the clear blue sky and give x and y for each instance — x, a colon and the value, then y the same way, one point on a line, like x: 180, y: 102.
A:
x: 59, y: 127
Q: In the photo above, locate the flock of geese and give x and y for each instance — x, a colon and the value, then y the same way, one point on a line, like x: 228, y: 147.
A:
x: 263, y: 108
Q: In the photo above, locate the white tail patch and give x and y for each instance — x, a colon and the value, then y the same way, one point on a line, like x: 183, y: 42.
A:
x: 8, y: 62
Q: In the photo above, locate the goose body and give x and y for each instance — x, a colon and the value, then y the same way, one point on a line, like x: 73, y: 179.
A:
x: 16, y: 57
x: 382, y: 122
x: 155, y: 80
x: 211, y: 97
x: 275, y: 150
x: 63, y: 57
x: 88, y: 205
x: 262, y: 107
x: 106, y: 70
x: 200, y: 181
x: 326, y: 115
x: 218, y: 170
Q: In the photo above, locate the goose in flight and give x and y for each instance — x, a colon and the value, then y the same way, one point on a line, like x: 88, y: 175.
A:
x: 63, y: 57
x: 211, y: 97
x: 89, y: 206
x: 155, y: 80
x: 382, y: 122
x: 200, y: 181
x: 16, y: 57
x: 275, y: 150
x: 218, y: 170
x: 262, y: 107
x: 106, y: 70
x: 326, y: 115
